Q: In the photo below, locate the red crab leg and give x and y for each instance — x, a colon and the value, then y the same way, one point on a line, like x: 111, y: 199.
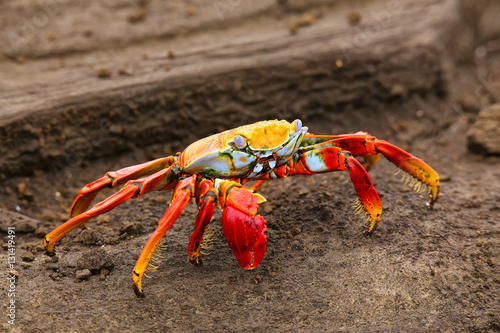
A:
x: 206, y: 198
x: 183, y: 193
x: 333, y: 159
x: 244, y: 230
x: 114, y: 178
x: 159, y: 181
x: 256, y: 187
x: 363, y: 144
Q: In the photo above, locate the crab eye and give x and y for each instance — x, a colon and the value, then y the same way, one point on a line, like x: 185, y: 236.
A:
x: 298, y: 124
x: 239, y: 141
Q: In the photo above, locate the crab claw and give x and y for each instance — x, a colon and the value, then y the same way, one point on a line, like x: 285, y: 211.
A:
x: 243, y: 228
x: 245, y: 235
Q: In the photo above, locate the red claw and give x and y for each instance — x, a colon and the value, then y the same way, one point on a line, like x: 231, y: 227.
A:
x: 245, y: 235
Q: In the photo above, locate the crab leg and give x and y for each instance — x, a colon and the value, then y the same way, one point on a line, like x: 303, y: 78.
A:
x: 243, y: 228
x: 183, y: 193
x: 334, y: 159
x: 159, y: 181
x: 114, y: 178
x: 363, y: 144
x: 206, y: 198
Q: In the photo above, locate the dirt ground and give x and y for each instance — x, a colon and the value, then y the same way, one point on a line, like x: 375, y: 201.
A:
x: 422, y: 270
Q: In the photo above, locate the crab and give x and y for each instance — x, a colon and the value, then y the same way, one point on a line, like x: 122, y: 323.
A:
x: 213, y: 171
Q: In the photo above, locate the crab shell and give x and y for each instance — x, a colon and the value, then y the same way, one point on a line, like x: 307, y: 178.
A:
x: 249, y: 151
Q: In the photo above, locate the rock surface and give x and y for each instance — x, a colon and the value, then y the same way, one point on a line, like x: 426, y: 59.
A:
x: 483, y: 137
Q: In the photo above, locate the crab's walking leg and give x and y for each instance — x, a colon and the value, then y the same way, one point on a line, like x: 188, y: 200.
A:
x: 243, y: 228
x: 364, y: 144
x: 184, y: 192
x: 161, y: 180
x: 413, y: 166
x: 256, y: 187
x: 114, y: 178
x: 206, y: 198
x: 333, y: 159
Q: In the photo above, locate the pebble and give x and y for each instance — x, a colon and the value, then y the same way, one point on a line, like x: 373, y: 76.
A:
x: 131, y: 228
x: 52, y: 266
x: 95, y: 260
x: 268, y: 209
x: 88, y: 237
x: 102, y: 219
x: 83, y: 274
x: 28, y: 256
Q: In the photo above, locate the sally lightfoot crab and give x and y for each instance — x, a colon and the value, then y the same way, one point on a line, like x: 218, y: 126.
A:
x: 212, y: 171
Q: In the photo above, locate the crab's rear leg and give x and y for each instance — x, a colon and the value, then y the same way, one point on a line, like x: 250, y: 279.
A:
x: 114, y: 178
x: 368, y: 146
x: 163, y: 179
x: 183, y: 194
x: 206, y: 199
x: 243, y: 228
x: 413, y: 166
x: 335, y: 159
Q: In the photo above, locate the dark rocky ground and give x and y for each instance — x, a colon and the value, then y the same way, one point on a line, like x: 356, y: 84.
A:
x: 422, y: 270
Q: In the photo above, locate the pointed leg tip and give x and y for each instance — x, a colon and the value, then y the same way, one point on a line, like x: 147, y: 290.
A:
x: 50, y: 250
x: 138, y: 292
x: 196, y: 262
x: 371, y: 227
x: 368, y: 232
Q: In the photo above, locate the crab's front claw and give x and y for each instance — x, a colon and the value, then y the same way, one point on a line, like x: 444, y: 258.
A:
x: 243, y: 228
x: 413, y: 166
x: 245, y: 235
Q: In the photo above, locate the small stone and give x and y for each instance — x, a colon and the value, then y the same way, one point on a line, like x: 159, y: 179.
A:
x: 21, y: 187
x: 258, y: 279
x: 102, y: 219
x: 137, y: 16
x: 88, y: 237
x: 307, y: 19
x: 170, y: 54
x: 191, y: 10
x: 354, y: 17
x: 103, y: 73
x: 52, y: 266
x: 95, y: 260
x: 295, y: 231
x: 268, y: 209
x: 111, y: 240
x: 131, y: 228
x: 304, y: 191
x: 28, y: 256
x: 25, y: 264
x: 83, y: 274
x: 14, y: 272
